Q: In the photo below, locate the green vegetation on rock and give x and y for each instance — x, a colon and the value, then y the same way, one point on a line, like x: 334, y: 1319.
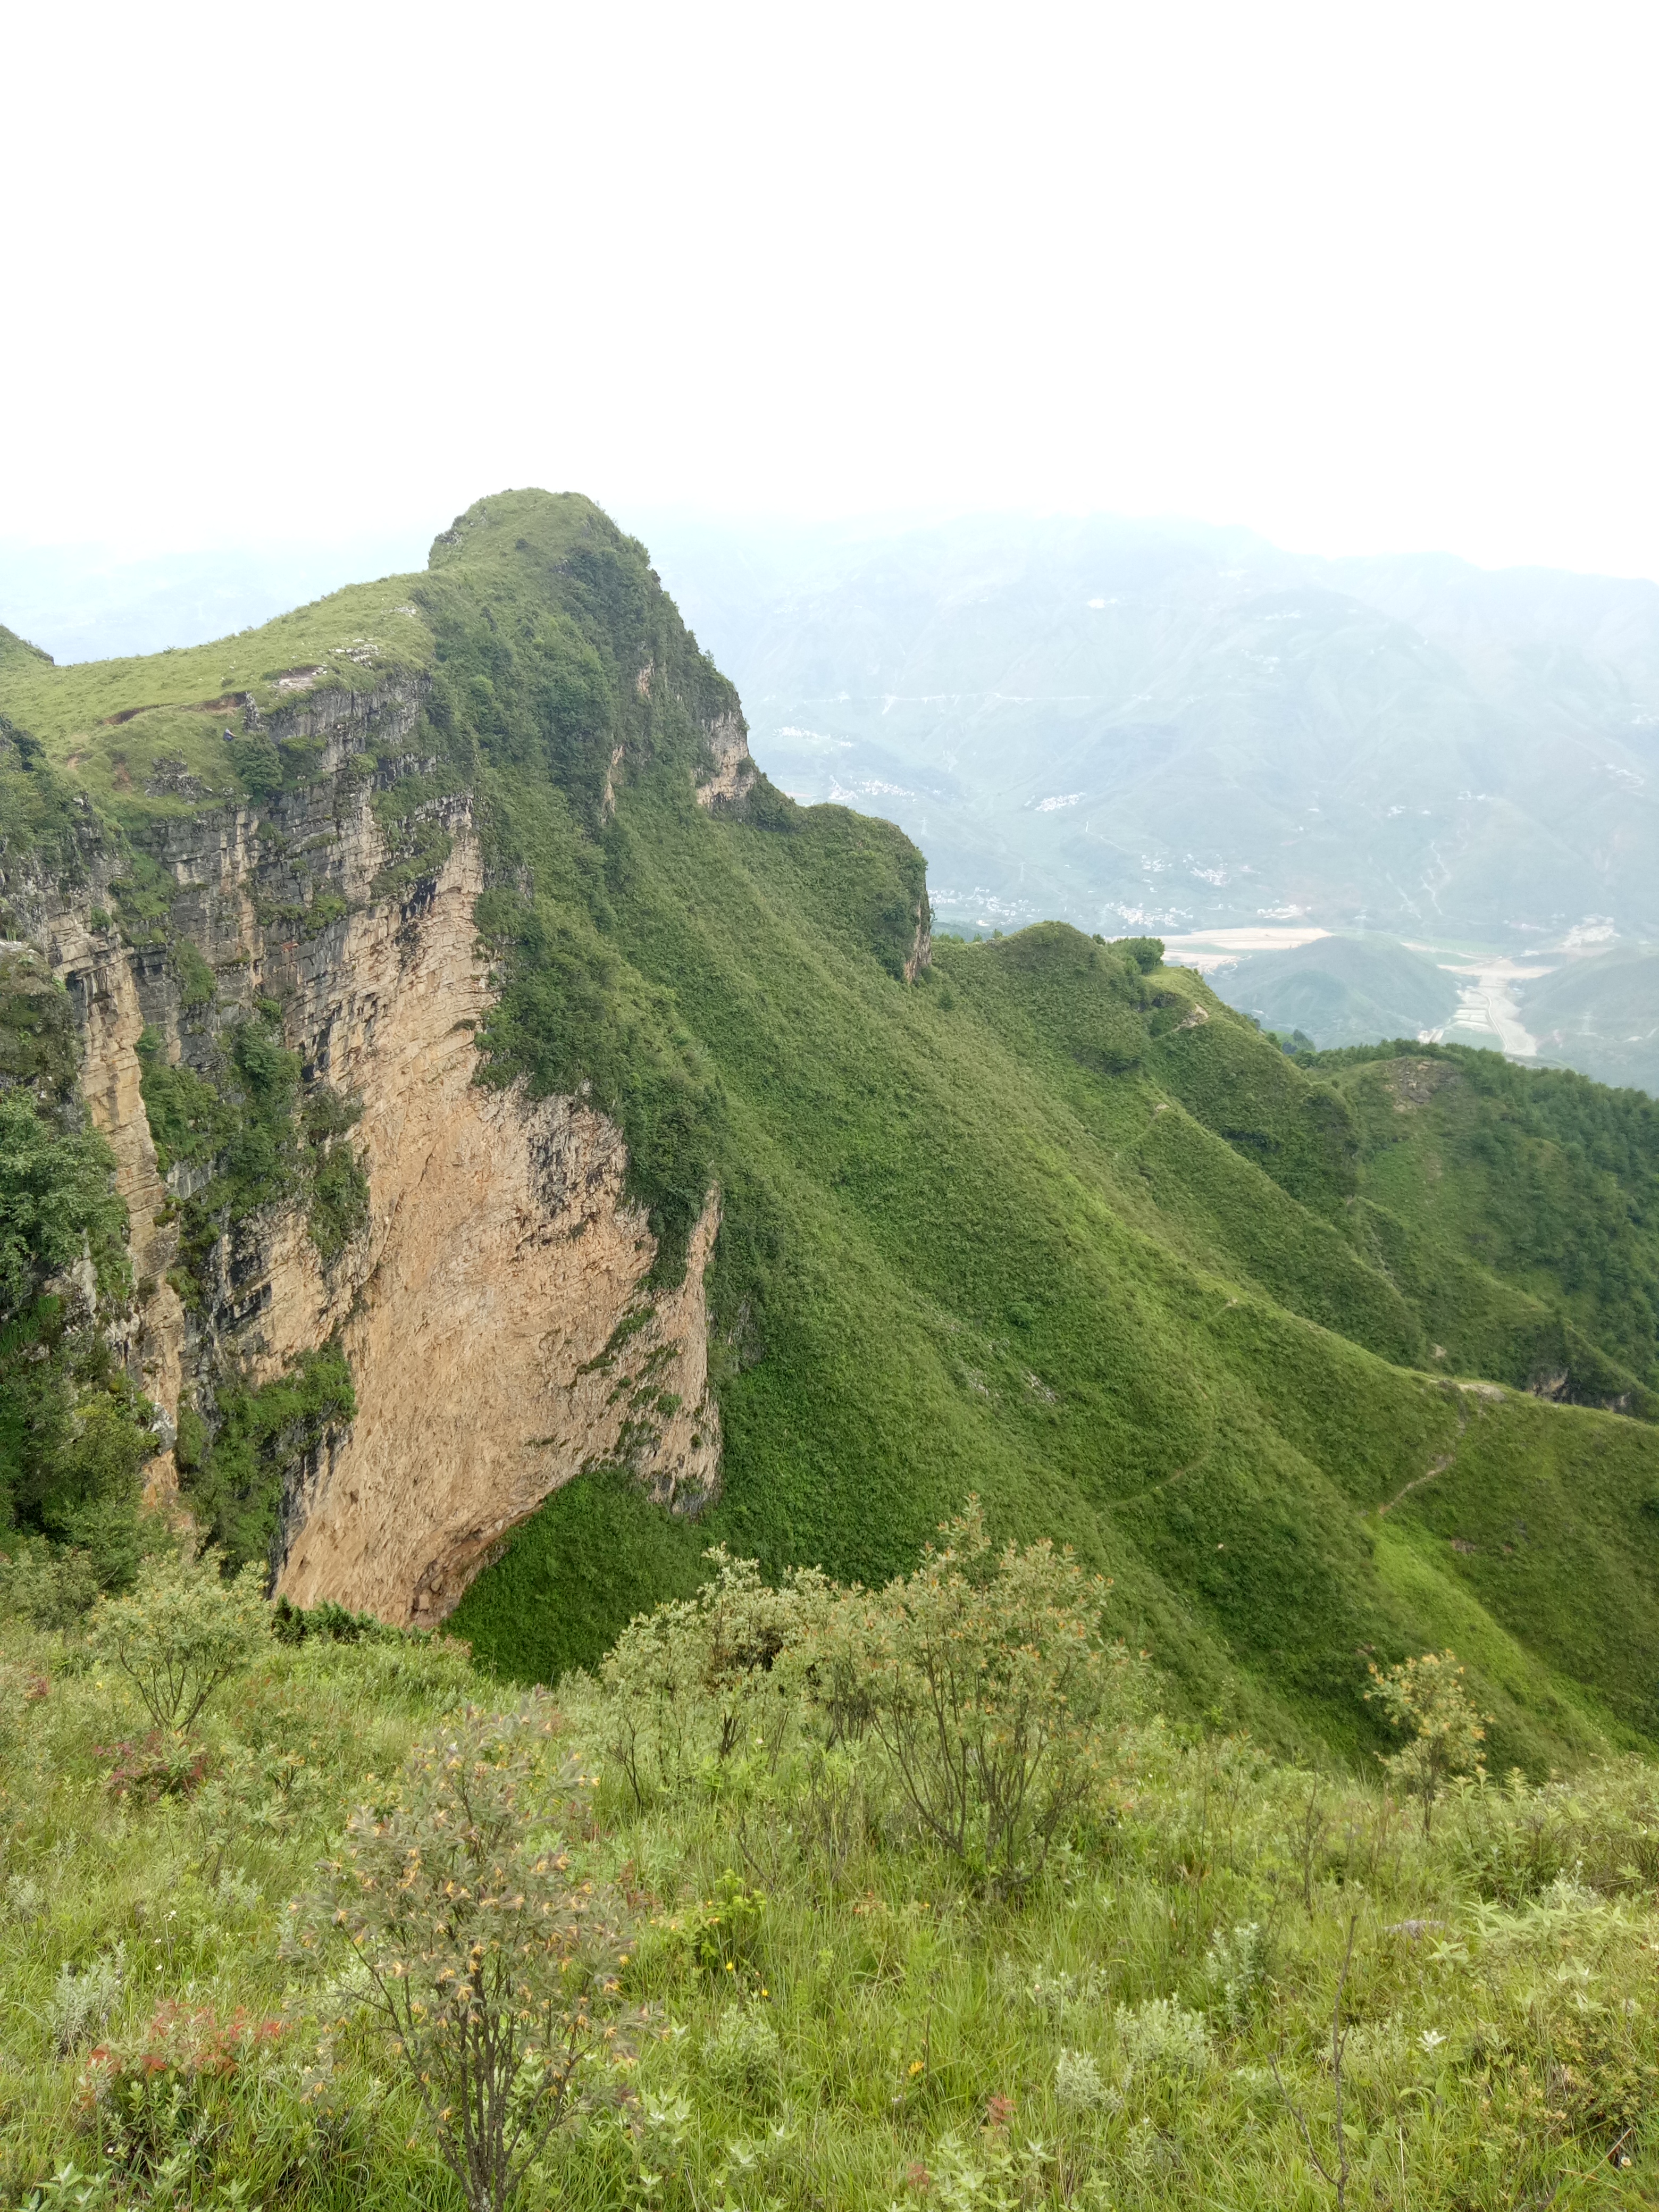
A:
x: 74, y: 1430
x: 261, y: 1443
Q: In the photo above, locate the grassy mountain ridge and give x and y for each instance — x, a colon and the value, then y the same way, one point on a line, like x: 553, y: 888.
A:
x: 1050, y: 1223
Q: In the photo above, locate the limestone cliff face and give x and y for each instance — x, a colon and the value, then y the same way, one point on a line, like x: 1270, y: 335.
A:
x: 494, y: 1309
x: 111, y: 1021
x: 921, y: 954
x: 732, y: 774
x: 486, y: 1311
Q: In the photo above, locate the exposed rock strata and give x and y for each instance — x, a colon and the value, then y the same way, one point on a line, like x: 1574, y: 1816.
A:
x: 921, y: 954
x: 501, y: 1261
x: 111, y: 1021
x: 494, y: 1310
x: 733, y: 773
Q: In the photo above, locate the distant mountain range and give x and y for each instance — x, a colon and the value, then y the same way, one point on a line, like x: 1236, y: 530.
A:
x: 1165, y: 726
x: 1600, y: 1015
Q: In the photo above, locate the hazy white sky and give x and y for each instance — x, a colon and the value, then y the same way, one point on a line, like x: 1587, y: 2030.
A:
x: 1361, y: 275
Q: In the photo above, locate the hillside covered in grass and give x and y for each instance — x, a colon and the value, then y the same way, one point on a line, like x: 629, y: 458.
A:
x: 1217, y: 1978
x: 1601, y: 1014
x: 1043, y: 1221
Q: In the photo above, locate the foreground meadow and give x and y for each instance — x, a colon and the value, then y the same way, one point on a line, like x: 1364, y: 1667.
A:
x: 914, y: 1900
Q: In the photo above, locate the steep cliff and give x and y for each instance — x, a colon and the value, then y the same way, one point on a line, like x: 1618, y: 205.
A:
x: 279, y: 998
x: 498, y: 1258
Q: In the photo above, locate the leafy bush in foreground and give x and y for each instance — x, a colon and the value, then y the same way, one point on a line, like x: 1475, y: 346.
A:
x: 181, y: 1633
x: 980, y: 1681
x: 985, y: 1680
x: 689, y: 1682
x: 1428, y: 1696
x: 51, y: 1587
x: 825, y: 2006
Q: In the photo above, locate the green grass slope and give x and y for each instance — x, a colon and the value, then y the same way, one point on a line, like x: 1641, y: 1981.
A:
x: 821, y: 2008
x: 1541, y: 1181
x: 1050, y: 1224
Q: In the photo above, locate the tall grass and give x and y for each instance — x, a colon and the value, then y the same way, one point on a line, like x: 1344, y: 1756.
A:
x: 825, y: 2011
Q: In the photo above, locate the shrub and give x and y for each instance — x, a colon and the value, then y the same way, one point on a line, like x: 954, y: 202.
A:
x: 79, y: 2004
x: 1603, y: 1822
x: 182, y: 1632
x: 24, y: 1900
x: 56, y: 1202
x: 146, y: 2089
x: 1078, y: 2085
x: 688, y: 1683
x: 1427, y: 1696
x: 1146, y: 952
x: 984, y: 1680
x: 167, y: 1764
x: 1599, y: 2083
x: 334, y: 1624
x: 1237, y: 1966
x: 488, y: 1961
x: 68, y: 2189
x: 89, y: 1498
x: 51, y: 1589
x: 715, y: 1934
x: 1162, y: 2037
x: 742, y: 2055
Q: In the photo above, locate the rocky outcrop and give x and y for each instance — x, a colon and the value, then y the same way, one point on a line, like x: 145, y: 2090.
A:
x: 496, y: 1308
x: 733, y: 773
x: 921, y: 954
x: 100, y: 973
